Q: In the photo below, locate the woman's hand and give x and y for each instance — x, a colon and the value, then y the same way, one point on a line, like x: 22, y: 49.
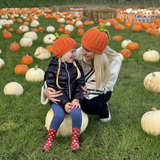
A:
x: 51, y: 94
x: 68, y: 107
x: 84, y: 89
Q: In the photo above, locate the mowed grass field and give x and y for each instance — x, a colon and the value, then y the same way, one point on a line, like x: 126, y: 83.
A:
x: 22, y: 118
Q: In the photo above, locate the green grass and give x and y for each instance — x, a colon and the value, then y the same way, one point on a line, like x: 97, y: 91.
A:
x: 22, y: 118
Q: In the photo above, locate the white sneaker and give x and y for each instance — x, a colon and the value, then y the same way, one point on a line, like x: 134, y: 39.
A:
x: 106, y: 119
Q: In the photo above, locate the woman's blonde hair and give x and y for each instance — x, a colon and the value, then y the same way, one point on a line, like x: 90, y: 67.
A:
x: 59, y: 67
x: 101, y: 66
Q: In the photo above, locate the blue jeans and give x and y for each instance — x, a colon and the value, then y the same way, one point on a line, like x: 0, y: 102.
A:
x: 59, y: 115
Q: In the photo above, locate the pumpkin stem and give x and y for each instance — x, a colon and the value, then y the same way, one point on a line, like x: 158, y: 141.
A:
x: 35, y: 68
x: 154, y: 109
x: 153, y: 74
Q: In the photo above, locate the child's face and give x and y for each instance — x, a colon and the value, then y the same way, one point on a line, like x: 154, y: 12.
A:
x: 69, y: 56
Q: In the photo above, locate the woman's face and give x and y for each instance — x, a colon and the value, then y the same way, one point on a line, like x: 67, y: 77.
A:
x: 88, y: 55
x: 69, y: 56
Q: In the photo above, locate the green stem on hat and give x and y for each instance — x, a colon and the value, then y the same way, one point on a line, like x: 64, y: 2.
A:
x: 63, y: 35
x: 103, y: 29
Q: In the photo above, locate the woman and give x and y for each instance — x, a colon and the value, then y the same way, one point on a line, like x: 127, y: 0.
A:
x: 101, y: 66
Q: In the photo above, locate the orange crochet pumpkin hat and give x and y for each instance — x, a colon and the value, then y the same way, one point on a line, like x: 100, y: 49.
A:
x: 63, y: 44
x: 96, y: 39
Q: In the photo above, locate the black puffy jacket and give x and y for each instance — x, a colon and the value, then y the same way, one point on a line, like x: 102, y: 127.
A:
x: 67, y: 80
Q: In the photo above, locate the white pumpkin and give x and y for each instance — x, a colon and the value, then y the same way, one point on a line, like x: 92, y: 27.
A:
x: 150, y: 122
x: 13, y: 88
x: 69, y: 27
x: 78, y: 23
x: 24, y: 28
x: 65, y: 128
x: 34, y: 23
x: 151, y: 55
x: 31, y: 34
x: 49, y: 38
x: 0, y: 51
x: 34, y: 74
x: 50, y: 29
x: 152, y: 82
x: 0, y: 26
x: 125, y: 43
x: 108, y: 24
x: 121, y: 56
x: 42, y: 53
x: 9, y: 21
x: 61, y: 20
x: 26, y: 42
x: 1, y: 63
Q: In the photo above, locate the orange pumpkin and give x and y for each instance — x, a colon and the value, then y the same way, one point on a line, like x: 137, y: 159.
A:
x: 80, y: 31
x: 11, y: 30
x: 132, y: 46
x: 117, y: 38
x: 126, y: 53
x: 7, y: 35
x: 6, y: 25
x: 153, y: 31
x: 137, y: 28
x: 14, y: 47
x: 19, y: 31
x: 21, y: 69
x: 41, y: 29
x: 49, y: 48
x: 157, y: 34
x: 35, y: 30
x: 60, y: 30
x: 27, y: 60
x: 67, y: 32
x: 146, y: 25
x: 62, y: 26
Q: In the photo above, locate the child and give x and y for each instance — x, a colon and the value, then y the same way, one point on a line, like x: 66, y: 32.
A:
x: 65, y: 74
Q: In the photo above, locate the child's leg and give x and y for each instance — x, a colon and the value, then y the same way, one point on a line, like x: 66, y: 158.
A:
x: 76, y: 116
x: 58, y: 118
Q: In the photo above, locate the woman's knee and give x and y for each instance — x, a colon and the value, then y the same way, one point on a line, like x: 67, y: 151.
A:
x: 76, y: 113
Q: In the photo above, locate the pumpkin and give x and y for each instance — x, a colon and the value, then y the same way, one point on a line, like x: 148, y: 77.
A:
x: 69, y: 27
x: 65, y: 128
x: 49, y: 38
x: 117, y: 38
x: 157, y: 34
x: 19, y: 31
x: 62, y: 26
x: 1, y: 63
x: 80, y: 31
x: 61, y: 20
x: 150, y: 122
x: 50, y: 29
x: 34, y: 23
x: 35, y: 30
x: 133, y: 46
x: 26, y: 42
x: 137, y: 28
x: 34, y: 74
x: 41, y: 29
x: 11, y: 30
x: 60, y: 29
x: 67, y: 32
x: 13, y: 88
x: 14, y: 47
x: 6, y: 25
x: 49, y: 48
x: 125, y: 43
x: 24, y: 28
x: 151, y: 55
x: 21, y: 69
x: 42, y: 53
x: 126, y: 53
x: 145, y: 25
x: 27, y: 59
x: 7, y: 35
x: 31, y: 34
x: 78, y: 23
x: 152, y: 82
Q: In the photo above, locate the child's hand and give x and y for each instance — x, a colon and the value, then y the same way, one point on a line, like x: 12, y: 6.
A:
x: 68, y: 107
x: 76, y: 104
